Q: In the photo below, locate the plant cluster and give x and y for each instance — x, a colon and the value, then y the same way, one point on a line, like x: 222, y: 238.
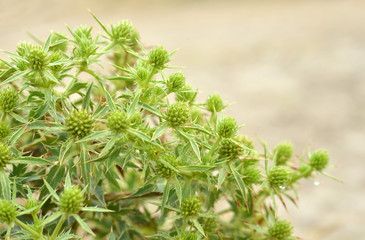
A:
x: 102, y: 137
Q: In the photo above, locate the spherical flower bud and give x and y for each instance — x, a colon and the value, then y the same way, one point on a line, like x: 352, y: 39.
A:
x: 191, y: 206
x: 252, y: 175
x: 71, y: 200
x: 54, y: 57
x: 8, y: 211
x: 177, y: 114
x: 250, y: 146
x: 5, y: 155
x: 319, y: 160
x: 158, y: 57
x: 175, y: 82
x: 4, y: 130
x: 124, y: 33
x: 37, y: 58
x: 279, y: 176
x: 118, y: 121
x: 229, y: 149
x: 79, y: 124
x: 284, y: 151
x: 8, y: 99
x: 281, y: 230
x: 187, y: 94
x: 165, y: 171
x: 214, y: 103
x: 210, y: 225
x: 227, y: 127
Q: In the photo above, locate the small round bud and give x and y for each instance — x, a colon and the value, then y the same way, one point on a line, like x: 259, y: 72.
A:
x: 252, y: 175
x: 8, y: 99
x: 210, y: 225
x: 8, y: 211
x: 176, y: 82
x: 124, y: 33
x: 214, y: 103
x: 227, y: 127
x: 284, y: 151
x: 165, y: 171
x: 187, y: 94
x: 279, y: 176
x: 5, y: 155
x: 71, y: 200
x: 85, y: 48
x: 118, y: 121
x: 158, y: 57
x: 177, y: 114
x: 281, y: 230
x: 229, y: 149
x: 319, y: 160
x: 79, y: 124
x: 4, y: 130
x: 191, y: 206
x: 54, y: 57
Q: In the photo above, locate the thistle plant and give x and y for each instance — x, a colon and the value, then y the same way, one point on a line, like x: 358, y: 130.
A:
x: 129, y: 153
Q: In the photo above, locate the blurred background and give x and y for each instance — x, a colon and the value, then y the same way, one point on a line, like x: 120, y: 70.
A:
x: 293, y: 69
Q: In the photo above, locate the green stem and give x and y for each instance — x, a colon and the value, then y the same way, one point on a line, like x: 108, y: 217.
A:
x: 58, y: 227
x: 28, y: 228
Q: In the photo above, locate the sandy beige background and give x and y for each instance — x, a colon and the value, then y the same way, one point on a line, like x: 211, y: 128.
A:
x: 295, y: 70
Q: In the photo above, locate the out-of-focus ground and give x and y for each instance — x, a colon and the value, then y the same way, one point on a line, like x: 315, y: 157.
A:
x: 295, y: 70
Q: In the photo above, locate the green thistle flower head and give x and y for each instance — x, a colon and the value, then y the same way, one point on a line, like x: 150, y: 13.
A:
x: 229, y: 149
x: 227, y: 127
x: 252, y: 175
x: 8, y: 99
x: 37, y: 58
x: 279, y: 176
x: 191, y: 206
x: 284, y: 151
x: 319, y: 160
x: 118, y: 121
x: 83, y: 32
x: 176, y: 82
x: 214, y: 103
x: 306, y: 170
x: 178, y: 114
x: 158, y: 58
x: 79, y: 124
x: 165, y: 171
x: 4, y: 130
x: 8, y: 211
x: 281, y: 230
x: 71, y: 200
x: 54, y: 57
x: 5, y: 155
x: 124, y: 33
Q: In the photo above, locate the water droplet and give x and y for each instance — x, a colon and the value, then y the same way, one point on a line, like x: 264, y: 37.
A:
x: 281, y: 187
x: 316, y: 183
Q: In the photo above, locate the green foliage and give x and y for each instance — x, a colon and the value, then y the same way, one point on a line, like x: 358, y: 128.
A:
x: 128, y: 152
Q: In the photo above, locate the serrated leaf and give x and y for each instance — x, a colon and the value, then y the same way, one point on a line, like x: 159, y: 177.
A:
x: 17, y: 135
x: 161, y: 129
x: 86, y: 101
x: 94, y: 136
x: 239, y: 181
x: 18, y: 118
x: 47, y: 43
x: 83, y: 224
x: 178, y: 189
x: 110, y: 101
x: 147, y: 188
x: 95, y: 209
x: 165, y: 196
x: 31, y: 161
x: 195, y: 147
x: 51, y: 190
x: 150, y: 109
x: 15, y: 77
x: 5, y: 189
x: 198, y: 226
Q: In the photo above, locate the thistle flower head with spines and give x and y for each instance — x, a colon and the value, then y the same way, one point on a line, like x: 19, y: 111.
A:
x: 227, y: 127
x: 279, y: 176
x: 79, y: 123
x: 5, y: 155
x: 284, y: 151
x: 8, y: 211
x: 319, y: 160
x: 71, y: 200
x: 177, y: 114
x: 281, y: 230
x: 118, y: 121
x: 191, y: 206
x: 8, y: 99
x: 214, y: 103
